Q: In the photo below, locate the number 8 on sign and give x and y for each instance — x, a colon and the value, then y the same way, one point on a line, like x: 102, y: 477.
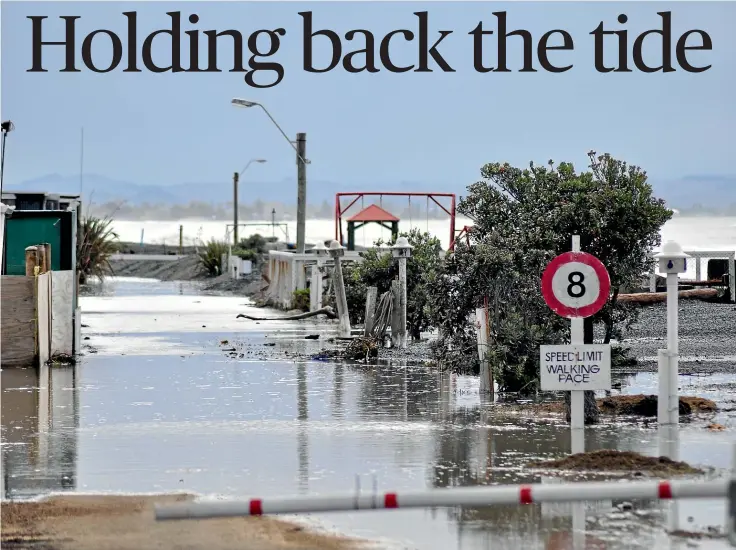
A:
x: 575, y: 284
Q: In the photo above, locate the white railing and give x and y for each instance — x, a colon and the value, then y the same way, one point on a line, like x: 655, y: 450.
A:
x: 699, y: 255
x: 289, y: 271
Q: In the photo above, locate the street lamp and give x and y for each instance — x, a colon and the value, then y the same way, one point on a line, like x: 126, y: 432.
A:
x: 237, y: 102
x: 236, y: 178
x: 401, y: 250
x: 320, y: 249
x: 5, y: 127
x: 300, y: 147
x: 251, y: 161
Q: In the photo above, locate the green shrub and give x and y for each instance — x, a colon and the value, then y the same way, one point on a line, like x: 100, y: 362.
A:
x: 379, y: 268
x: 254, y: 242
x: 246, y: 254
x: 210, y: 257
x: 300, y: 299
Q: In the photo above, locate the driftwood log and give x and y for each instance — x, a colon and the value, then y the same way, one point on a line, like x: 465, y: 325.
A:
x: 327, y: 311
x: 656, y: 297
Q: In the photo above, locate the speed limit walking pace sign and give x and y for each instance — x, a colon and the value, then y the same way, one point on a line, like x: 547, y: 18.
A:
x: 575, y: 285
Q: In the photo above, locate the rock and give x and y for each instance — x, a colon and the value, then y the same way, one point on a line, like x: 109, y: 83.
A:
x: 715, y: 427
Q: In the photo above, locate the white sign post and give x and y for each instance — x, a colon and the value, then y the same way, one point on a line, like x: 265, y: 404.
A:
x: 673, y: 262
x: 576, y: 285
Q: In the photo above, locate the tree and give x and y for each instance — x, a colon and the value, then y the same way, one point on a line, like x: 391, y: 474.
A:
x: 379, y: 268
x: 522, y: 219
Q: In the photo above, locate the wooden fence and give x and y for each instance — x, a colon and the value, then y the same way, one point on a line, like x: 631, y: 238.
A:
x: 36, y: 318
x: 17, y: 320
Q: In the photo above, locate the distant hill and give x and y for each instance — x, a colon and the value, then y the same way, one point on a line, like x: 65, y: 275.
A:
x: 706, y: 191
x: 102, y: 189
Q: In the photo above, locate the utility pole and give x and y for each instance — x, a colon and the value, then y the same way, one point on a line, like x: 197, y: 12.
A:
x: 301, y: 205
x: 235, y: 208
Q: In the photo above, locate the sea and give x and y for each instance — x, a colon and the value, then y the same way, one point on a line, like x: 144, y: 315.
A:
x: 695, y: 233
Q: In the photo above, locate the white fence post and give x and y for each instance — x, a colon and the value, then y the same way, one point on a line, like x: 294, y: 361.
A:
x: 337, y: 251
x: 731, y: 505
x: 315, y: 289
x: 732, y: 276
x: 481, y: 320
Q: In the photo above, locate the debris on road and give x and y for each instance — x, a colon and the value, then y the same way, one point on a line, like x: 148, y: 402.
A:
x: 609, y: 460
x: 327, y: 311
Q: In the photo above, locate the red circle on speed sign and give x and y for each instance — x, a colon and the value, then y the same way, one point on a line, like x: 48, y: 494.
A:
x: 575, y: 284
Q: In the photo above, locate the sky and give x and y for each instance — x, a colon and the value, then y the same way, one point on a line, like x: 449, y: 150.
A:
x: 366, y: 129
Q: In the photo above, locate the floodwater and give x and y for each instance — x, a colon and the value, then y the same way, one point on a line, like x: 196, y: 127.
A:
x: 155, y: 406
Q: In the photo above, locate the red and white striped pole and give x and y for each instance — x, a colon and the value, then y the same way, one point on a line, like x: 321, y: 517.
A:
x: 470, y: 496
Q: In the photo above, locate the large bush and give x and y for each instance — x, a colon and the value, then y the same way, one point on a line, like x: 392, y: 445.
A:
x: 379, y: 268
x: 522, y: 219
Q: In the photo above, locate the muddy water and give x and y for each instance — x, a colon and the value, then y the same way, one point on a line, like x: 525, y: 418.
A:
x: 155, y: 405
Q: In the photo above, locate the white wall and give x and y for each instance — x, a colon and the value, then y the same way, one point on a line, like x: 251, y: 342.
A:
x: 62, y: 312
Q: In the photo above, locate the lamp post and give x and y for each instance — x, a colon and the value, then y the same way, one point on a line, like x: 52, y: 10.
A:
x: 5, y: 127
x: 402, y: 250
x: 236, y: 179
x: 315, y: 290
x: 300, y: 147
x: 672, y: 261
x: 337, y: 251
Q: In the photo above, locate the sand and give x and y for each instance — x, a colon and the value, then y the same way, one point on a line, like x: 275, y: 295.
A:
x: 127, y: 523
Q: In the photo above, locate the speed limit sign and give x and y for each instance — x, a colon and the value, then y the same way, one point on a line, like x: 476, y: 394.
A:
x: 575, y: 284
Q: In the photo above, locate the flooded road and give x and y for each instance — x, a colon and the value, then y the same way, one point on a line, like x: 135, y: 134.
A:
x: 155, y: 405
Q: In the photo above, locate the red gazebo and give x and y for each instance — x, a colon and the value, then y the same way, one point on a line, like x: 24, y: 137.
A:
x: 372, y: 214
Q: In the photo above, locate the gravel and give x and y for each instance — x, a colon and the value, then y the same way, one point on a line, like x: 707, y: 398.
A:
x: 707, y: 337
x: 186, y: 269
x: 707, y: 341
x: 250, y: 285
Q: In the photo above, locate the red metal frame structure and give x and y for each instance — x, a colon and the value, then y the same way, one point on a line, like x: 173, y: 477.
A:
x: 464, y: 232
x: 339, y: 210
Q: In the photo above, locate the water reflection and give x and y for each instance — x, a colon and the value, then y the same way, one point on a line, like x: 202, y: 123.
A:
x: 338, y: 400
x: 302, y: 436
x: 40, y: 417
x: 212, y: 424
